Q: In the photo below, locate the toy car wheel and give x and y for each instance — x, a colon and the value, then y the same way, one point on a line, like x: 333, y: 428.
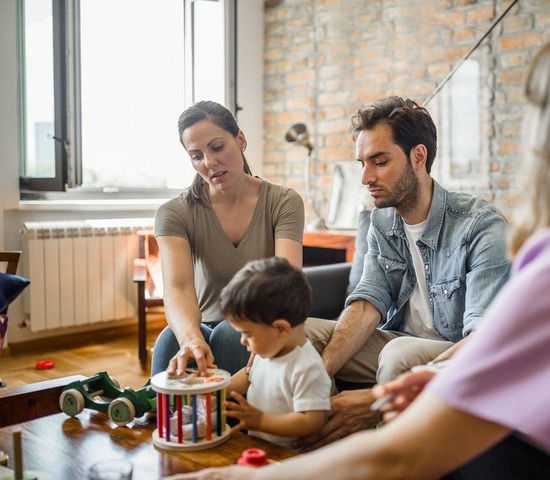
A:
x: 71, y: 402
x: 122, y: 411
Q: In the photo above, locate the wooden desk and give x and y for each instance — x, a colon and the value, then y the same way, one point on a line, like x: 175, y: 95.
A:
x: 328, y: 246
x: 65, y: 447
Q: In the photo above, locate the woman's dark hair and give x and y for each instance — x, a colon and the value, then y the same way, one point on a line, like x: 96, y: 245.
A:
x: 410, y: 123
x: 223, y: 118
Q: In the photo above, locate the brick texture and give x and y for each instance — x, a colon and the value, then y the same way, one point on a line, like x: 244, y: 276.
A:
x: 326, y: 58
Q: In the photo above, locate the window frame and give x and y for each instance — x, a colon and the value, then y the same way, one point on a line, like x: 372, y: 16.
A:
x: 67, y: 182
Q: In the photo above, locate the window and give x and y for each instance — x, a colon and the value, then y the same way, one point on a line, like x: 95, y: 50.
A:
x: 104, y: 82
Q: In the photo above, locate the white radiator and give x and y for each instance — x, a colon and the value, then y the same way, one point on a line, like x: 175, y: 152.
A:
x: 81, y: 271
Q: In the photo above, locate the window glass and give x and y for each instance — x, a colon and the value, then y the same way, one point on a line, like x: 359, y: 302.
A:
x: 132, y: 92
x: 208, y: 54
x: 39, y: 90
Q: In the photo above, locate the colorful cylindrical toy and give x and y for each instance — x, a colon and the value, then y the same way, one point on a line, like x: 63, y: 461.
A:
x: 190, y: 410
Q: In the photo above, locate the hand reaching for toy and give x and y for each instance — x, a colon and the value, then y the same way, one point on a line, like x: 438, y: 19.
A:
x: 249, y: 417
x: 195, y: 349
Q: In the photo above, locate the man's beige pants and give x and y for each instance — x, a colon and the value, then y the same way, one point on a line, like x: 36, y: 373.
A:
x: 385, y: 355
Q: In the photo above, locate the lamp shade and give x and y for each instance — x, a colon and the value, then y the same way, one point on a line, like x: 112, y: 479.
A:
x: 299, y: 135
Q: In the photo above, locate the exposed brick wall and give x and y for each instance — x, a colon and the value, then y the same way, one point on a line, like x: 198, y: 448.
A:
x: 325, y: 58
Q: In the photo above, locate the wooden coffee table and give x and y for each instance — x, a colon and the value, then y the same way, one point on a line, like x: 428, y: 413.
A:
x: 65, y: 447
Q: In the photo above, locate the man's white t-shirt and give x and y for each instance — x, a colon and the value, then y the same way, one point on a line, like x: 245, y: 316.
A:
x: 418, y: 319
x: 295, y: 382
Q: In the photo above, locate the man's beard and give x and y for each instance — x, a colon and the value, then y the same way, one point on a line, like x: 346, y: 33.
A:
x: 404, y: 194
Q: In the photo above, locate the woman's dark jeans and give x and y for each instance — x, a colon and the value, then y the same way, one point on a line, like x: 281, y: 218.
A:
x: 224, y: 341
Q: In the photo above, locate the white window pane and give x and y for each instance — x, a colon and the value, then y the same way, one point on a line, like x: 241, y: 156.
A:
x: 208, y: 55
x: 465, y: 115
x: 132, y: 87
x: 39, y: 89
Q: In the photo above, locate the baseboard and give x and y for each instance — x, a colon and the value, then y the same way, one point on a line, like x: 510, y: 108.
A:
x: 155, y: 323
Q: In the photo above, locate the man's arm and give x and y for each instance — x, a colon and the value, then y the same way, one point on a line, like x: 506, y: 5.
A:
x: 354, y: 327
x: 488, y: 267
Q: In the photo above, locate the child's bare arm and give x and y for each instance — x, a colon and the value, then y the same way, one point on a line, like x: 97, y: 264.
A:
x: 239, y: 382
x: 291, y: 424
x: 294, y: 424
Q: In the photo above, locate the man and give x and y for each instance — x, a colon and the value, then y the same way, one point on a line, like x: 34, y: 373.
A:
x: 435, y: 261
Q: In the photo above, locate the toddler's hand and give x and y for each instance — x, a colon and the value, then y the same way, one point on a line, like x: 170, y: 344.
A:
x: 249, y: 417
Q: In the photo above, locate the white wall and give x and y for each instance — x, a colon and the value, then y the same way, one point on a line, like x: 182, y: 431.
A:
x: 12, y: 216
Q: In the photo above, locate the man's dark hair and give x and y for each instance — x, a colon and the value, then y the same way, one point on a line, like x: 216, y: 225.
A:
x: 410, y: 123
x: 266, y: 290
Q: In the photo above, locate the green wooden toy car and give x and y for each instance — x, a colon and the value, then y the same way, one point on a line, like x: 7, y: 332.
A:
x: 103, y: 393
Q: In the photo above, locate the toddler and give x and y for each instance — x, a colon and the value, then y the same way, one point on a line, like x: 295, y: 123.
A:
x: 287, y: 386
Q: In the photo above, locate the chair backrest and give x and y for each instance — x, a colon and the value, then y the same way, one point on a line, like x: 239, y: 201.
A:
x: 360, y: 250
x: 149, y: 253
x: 12, y: 260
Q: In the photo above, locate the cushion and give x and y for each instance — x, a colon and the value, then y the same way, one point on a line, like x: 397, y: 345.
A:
x: 360, y: 250
x: 10, y: 288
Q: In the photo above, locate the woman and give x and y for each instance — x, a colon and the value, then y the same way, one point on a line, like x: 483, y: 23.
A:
x: 488, y: 411
x: 226, y: 218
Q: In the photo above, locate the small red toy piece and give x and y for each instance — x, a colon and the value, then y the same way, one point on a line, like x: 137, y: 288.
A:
x: 44, y: 364
x: 253, y: 457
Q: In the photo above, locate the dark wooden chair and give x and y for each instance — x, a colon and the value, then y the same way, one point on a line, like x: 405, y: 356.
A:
x: 35, y: 400
x: 12, y: 261
x: 147, y: 293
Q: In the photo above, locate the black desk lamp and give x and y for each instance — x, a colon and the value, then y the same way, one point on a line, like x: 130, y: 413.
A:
x: 299, y: 135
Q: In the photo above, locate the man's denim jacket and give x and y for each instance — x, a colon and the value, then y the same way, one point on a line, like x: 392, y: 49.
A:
x: 463, y: 247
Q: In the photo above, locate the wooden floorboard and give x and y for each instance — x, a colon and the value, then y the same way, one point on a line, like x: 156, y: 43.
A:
x: 118, y: 357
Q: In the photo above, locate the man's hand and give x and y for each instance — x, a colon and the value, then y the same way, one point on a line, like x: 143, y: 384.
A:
x: 405, y: 389
x: 249, y: 417
x: 350, y: 412
x: 227, y: 473
x: 197, y: 349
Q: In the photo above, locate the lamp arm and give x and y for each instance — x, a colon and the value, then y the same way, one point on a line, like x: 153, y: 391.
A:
x: 318, y: 223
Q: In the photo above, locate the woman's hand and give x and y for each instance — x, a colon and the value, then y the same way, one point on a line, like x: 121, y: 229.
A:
x: 249, y: 417
x: 404, y: 389
x: 350, y: 412
x: 193, y: 349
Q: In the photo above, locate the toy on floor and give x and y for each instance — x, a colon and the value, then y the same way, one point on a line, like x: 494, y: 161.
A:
x: 44, y: 364
x: 190, y: 410
x: 103, y: 393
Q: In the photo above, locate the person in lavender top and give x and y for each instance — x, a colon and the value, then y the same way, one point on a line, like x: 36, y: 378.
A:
x: 487, y: 414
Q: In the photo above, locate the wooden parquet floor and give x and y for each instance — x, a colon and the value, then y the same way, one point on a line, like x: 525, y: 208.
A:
x: 117, y: 356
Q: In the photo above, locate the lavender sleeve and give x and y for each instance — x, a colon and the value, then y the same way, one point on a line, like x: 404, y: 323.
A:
x: 503, y: 373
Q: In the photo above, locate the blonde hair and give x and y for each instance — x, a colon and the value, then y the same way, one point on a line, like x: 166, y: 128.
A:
x: 537, y: 151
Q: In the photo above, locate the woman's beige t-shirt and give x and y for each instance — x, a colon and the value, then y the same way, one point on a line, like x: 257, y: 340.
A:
x: 279, y: 213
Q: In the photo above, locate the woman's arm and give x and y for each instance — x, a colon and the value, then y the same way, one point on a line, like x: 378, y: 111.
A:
x: 181, y: 304
x: 289, y: 249
x: 426, y: 441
